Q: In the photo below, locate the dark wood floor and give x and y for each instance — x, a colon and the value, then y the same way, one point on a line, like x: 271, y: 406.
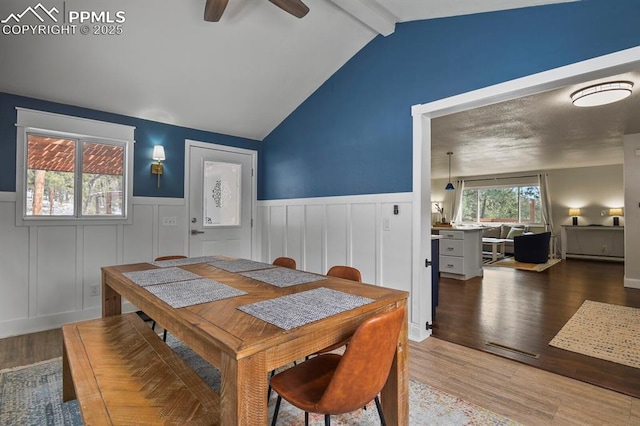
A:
x: 525, y: 310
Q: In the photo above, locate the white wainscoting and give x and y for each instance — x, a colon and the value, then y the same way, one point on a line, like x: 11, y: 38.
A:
x: 49, y: 274
x: 360, y: 231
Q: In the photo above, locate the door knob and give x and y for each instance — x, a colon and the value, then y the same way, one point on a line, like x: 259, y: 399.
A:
x: 196, y: 232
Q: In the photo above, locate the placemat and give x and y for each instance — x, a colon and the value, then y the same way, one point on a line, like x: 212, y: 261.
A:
x: 187, y: 261
x: 160, y: 276
x: 193, y: 292
x: 298, y: 309
x: 239, y: 265
x: 283, y: 277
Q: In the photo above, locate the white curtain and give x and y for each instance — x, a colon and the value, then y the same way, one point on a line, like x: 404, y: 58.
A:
x: 547, y: 217
x: 457, y: 202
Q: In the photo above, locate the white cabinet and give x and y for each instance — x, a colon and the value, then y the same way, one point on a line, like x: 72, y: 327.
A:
x: 460, y: 253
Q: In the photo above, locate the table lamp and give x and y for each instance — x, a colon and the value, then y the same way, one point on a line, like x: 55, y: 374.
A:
x: 616, y: 213
x: 575, y: 213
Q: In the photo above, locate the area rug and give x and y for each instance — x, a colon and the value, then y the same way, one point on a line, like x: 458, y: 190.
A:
x: 510, y: 262
x: 32, y: 395
x: 605, y: 331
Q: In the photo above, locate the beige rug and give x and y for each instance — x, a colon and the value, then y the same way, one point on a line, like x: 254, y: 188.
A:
x: 605, y: 331
x: 510, y: 262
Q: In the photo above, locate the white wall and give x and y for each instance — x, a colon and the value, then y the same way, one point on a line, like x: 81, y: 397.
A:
x: 632, y: 210
x: 48, y: 274
x: 360, y: 231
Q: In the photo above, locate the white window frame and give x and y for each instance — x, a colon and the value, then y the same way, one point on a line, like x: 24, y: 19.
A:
x: 510, y: 186
x: 46, y: 123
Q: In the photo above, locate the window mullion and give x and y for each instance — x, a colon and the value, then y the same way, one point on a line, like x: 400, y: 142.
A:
x: 78, y: 179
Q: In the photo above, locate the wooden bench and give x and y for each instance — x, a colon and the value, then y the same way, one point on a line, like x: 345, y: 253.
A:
x: 122, y: 373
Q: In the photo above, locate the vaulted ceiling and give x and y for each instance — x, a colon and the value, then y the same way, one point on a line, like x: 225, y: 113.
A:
x: 241, y: 76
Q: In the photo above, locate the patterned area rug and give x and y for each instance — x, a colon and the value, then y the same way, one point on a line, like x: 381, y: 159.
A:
x: 605, y: 331
x: 510, y: 262
x: 32, y: 395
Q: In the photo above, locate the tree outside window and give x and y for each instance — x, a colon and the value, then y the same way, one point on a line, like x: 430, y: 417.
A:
x: 517, y: 204
x: 73, y: 177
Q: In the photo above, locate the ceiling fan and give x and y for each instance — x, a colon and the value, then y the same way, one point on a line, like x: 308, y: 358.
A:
x: 214, y: 9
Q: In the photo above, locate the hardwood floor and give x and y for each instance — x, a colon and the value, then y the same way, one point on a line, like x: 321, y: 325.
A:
x: 524, y: 310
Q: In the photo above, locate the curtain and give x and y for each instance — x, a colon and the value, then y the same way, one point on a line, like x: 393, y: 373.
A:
x: 547, y: 217
x: 457, y: 202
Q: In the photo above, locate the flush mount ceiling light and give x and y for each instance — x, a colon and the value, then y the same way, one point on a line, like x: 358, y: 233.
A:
x: 602, y: 94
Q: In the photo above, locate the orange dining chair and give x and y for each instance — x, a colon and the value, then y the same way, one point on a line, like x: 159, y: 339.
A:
x: 285, y: 262
x: 171, y: 257
x: 336, y: 384
x: 348, y: 273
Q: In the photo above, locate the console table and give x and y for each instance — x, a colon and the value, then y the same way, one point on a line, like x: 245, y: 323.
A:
x: 593, y: 242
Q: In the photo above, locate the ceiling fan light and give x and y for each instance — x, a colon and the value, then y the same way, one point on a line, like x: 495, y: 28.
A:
x: 602, y: 94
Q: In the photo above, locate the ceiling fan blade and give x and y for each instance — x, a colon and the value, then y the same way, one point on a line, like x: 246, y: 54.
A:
x: 294, y: 7
x: 214, y: 9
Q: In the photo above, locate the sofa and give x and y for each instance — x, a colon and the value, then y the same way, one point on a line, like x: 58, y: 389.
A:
x: 509, y: 231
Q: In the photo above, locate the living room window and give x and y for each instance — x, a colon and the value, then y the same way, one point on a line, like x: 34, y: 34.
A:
x: 502, y: 204
x: 72, y: 169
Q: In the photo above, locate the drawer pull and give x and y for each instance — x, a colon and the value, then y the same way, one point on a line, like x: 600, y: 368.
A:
x: 449, y: 265
x: 450, y: 248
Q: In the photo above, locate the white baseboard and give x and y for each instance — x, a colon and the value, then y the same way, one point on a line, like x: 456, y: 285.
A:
x: 417, y: 333
x: 632, y: 283
x: 33, y: 325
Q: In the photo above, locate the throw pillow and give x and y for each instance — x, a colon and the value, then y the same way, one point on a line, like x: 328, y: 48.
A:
x: 504, y: 231
x: 493, y: 232
x: 514, y: 232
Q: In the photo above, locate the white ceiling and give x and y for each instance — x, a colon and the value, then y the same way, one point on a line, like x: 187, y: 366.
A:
x: 538, y: 132
x: 241, y: 76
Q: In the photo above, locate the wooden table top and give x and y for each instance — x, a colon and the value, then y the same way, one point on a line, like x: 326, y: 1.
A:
x: 245, y: 349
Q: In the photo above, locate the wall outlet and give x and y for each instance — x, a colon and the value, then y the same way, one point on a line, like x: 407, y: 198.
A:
x: 386, y: 224
x: 94, y: 290
x: 169, y: 221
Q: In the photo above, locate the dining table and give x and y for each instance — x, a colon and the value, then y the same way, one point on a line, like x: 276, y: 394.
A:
x: 260, y: 323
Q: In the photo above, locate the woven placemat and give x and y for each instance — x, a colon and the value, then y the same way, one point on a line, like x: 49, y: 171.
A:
x: 193, y: 292
x: 160, y: 276
x: 239, y: 265
x: 298, y: 309
x: 187, y: 261
x: 283, y: 277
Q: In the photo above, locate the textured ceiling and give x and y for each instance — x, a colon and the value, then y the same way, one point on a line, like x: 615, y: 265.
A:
x: 241, y: 76
x: 538, y: 132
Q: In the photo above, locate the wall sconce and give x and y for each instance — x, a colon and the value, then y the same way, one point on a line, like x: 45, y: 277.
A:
x: 158, y: 155
x: 575, y: 213
x: 616, y: 213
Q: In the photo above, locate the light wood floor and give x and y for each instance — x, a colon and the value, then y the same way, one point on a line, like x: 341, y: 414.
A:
x: 523, y: 393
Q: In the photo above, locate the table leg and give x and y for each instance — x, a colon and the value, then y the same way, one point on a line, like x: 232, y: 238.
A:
x: 494, y: 251
x: 111, y: 300
x: 395, y: 394
x: 243, y: 396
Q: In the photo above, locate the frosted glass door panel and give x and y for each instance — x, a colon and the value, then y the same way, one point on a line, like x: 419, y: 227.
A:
x: 221, y: 194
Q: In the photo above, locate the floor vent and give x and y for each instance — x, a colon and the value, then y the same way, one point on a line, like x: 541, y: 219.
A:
x: 510, y: 349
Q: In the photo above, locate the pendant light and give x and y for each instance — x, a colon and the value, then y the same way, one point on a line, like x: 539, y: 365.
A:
x: 449, y: 186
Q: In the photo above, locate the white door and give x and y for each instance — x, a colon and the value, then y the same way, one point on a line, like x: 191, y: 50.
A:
x: 221, y: 195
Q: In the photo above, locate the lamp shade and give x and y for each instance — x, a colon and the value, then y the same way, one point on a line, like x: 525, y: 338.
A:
x: 158, y: 153
x: 574, y: 212
x: 616, y: 212
x: 449, y: 187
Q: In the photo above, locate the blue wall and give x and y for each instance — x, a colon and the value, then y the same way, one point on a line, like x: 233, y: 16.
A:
x: 147, y: 134
x: 354, y: 134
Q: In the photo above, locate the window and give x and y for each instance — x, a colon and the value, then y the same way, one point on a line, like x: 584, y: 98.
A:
x: 504, y: 204
x: 73, y: 169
